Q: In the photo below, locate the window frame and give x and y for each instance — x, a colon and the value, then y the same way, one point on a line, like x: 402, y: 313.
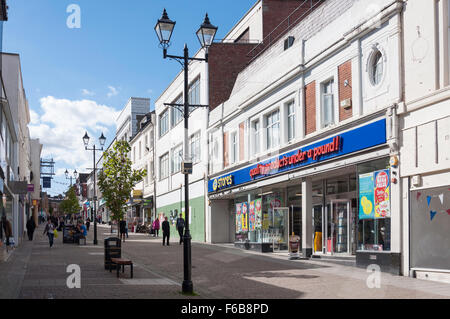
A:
x: 234, y: 147
x: 165, y: 114
x: 161, y: 158
x: 272, y: 145
x: 195, y: 139
x: 174, y: 121
x: 178, y: 158
x: 291, y: 119
x: 323, y: 94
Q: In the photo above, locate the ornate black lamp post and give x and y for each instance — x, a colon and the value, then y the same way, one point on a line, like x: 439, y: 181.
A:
x: 102, y: 141
x: 68, y: 176
x: 206, y: 33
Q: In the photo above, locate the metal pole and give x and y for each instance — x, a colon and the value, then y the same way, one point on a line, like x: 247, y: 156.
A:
x: 95, y: 207
x: 187, y: 286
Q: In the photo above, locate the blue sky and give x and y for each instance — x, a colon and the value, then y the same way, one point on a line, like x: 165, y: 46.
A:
x: 76, y: 79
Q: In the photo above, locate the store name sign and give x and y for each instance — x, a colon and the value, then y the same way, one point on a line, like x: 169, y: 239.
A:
x: 223, y: 182
x: 302, y: 155
x: 358, y: 139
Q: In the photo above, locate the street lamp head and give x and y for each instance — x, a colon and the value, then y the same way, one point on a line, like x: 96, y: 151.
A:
x: 164, y: 28
x: 102, y: 140
x: 67, y: 173
x: 75, y: 174
x: 86, y: 139
x: 206, y: 33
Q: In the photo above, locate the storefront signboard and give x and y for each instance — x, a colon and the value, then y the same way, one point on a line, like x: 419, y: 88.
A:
x: 346, y: 143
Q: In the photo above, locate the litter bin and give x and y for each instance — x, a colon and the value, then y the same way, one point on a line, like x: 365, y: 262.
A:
x: 294, y: 247
x: 112, y: 250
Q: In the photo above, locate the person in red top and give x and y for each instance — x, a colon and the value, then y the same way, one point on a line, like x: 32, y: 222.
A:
x: 156, y: 227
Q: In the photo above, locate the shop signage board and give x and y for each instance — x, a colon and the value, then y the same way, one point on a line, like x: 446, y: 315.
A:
x: 346, y: 143
x: 251, y: 216
x: 374, y: 195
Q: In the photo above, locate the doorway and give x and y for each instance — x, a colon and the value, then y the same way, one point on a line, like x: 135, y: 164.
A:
x: 337, y: 232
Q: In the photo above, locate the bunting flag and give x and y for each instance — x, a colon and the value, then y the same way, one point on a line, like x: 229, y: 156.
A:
x: 441, y: 197
x: 432, y: 214
x: 428, y: 200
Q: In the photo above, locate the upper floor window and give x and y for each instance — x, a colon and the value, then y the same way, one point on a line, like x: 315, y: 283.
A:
x: 177, y: 158
x: 164, y: 123
x: 327, y: 110
x: 256, y: 132
x: 146, y: 148
x: 146, y: 176
x: 140, y: 150
x: 234, y: 148
x: 164, y: 166
x: 195, y: 147
x: 291, y: 120
x: 376, y: 68
x: 273, y: 129
x: 134, y: 153
x: 194, y: 92
x: 177, y: 114
x: 151, y: 139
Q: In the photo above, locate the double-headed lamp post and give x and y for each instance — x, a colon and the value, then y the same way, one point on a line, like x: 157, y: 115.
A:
x: 206, y: 33
x: 68, y: 176
x: 102, y: 141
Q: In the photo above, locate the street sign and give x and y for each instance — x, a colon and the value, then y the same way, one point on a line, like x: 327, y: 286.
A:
x: 186, y: 168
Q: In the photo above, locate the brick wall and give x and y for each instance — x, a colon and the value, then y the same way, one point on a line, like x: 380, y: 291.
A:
x: 241, y: 142
x: 226, y: 60
x: 345, y: 92
x: 310, y: 108
x: 225, y: 150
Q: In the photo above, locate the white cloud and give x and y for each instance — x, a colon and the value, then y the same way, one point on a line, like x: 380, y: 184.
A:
x: 62, y: 125
x: 34, y: 117
x: 86, y: 92
x: 112, y: 91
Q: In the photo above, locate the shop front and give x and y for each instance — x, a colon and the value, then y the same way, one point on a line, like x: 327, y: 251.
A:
x: 334, y: 194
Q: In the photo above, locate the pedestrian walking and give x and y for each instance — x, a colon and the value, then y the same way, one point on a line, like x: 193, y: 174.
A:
x: 49, y: 230
x: 156, y: 227
x: 180, y: 227
x: 166, y: 231
x: 31, y: 226
x: 88, y: 223
x: 5, y: 230
x: 122, y: 229
x: 126, y: 227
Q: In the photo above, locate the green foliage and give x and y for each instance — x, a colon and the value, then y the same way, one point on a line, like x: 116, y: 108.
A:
x: 117, y: 178
x: 70, y: 204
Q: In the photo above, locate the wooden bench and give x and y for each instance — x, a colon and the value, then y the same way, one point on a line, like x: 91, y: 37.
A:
x: 121, y: 262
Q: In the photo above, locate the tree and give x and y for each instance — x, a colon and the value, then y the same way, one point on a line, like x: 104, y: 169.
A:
x: 70, y: 204
x: 117, y: 179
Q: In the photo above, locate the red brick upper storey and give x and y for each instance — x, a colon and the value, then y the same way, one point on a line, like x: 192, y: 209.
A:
x: 345, y: 91
x: 310, y: 108
x: 225, y: 60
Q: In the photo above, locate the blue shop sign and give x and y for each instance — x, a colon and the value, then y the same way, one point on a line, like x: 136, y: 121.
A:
x: 346, y: 143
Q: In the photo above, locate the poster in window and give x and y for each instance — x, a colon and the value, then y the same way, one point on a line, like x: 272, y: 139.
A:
x: 238, y: 218
x: 258, y: 213
x: 381, y: 194
x: 366, y: 196
x: 251, y: 216
x: 244, y: 216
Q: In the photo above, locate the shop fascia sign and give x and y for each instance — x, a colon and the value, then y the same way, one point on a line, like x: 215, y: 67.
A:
x: 358, y: 139
x: 315, y: 153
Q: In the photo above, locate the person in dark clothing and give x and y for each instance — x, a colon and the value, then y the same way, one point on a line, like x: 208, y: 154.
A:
x: 180, y: 227
x: 122, y: 229
x: 5, y: 229
x: 49, y: 228
x: 31, y: 226
x: 88, y: 223
x: 166, y: 231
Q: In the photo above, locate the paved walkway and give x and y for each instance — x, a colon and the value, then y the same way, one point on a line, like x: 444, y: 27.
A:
x: 218, y: 271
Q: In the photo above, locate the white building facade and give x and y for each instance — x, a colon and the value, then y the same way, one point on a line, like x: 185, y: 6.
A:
x: 304, y: 143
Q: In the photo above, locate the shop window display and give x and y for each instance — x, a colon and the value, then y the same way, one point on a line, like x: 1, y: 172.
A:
x: 374, y: 227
